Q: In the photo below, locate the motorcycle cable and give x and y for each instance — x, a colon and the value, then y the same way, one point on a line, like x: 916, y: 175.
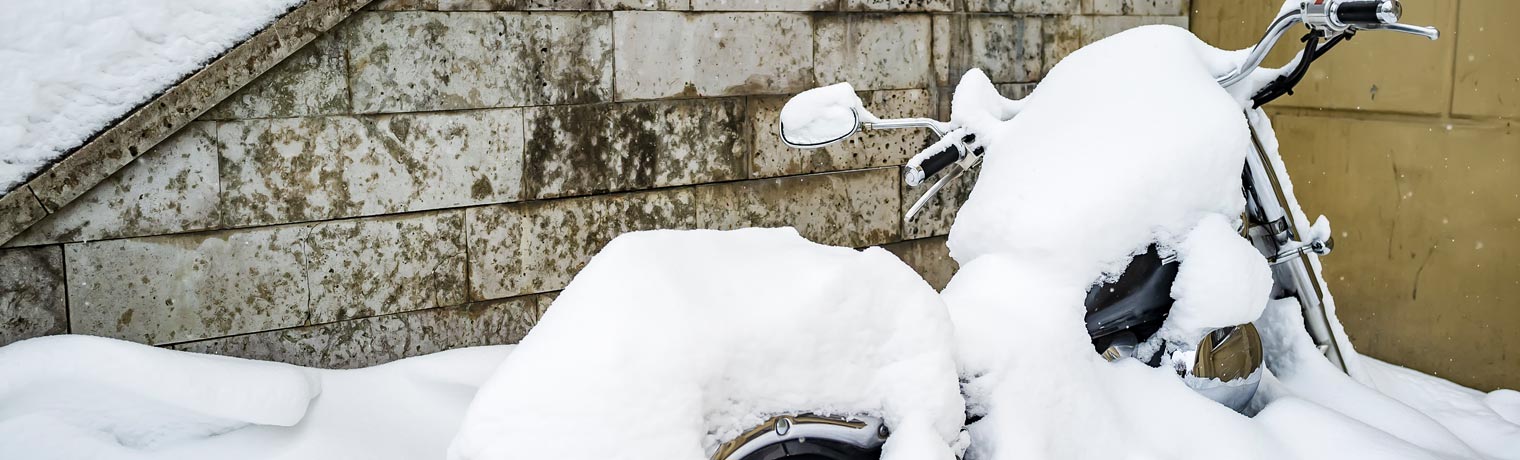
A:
x: 1284, y: 85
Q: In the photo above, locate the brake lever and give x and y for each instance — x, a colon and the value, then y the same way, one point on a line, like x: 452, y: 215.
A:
x: 1427, y: 32
x: 957, y: 170
x: 933, y: 190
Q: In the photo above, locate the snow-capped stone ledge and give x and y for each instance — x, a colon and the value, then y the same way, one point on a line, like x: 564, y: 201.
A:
x: 85, y: 167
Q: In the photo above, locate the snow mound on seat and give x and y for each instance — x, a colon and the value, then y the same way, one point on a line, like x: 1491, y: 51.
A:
x: 671, y: 342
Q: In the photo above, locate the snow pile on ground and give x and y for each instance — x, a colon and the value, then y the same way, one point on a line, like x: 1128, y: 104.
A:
x: 671, y: 342
x: 1126, y: 143
x: 104, y: 392
x: 74, y: 66
x: 80, y: 397
x: 1489, y: 422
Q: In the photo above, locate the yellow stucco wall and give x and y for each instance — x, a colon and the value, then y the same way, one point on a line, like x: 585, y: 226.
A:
x: 1411, y: 148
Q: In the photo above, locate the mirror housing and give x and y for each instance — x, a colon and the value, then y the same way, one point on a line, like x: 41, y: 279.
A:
x: 822, y: 116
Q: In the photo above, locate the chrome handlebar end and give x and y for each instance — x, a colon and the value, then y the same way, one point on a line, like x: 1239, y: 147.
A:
x: 1390, y: 11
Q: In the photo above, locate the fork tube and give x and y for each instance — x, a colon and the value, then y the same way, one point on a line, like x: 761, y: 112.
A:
x: 1266, y: 189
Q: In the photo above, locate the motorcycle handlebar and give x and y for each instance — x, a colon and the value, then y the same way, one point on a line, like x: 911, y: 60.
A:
x: 1331, y: 18
x: 935, y: 163
x: 1368, y: 13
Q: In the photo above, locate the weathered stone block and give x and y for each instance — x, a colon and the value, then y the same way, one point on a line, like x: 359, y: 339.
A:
x: 538, y: 246
x: 694, y: 141
x: 170, y: 189
x: 377, y: 340
x: 369, y: 267
x: 1007, y: 48
x: 929, y: 257
x: 668, y: 54
x: 763, y: 5
x: 898, y: 5
x: 19, y: 209
x: 1138, y: 7
x: 856, y: 208
x: 646, y: 4
x: 1065, y: 34
x: 942, y: 32
x: 1025, y: 6
x: 313, y: 81
x: 32, y: 300
x: 414, y: 61
x: 465, y: 5
x: 877, y: 51
x: 1015, y: 90
x: 578, y: 150
x: 292, y: 170
x: 528, y: 5
x: 573, y: 151
x: 176, y: 288
x: 864, y: 150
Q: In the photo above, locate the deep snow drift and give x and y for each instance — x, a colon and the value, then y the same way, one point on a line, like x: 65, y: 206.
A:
x: 671, y: 342
x: 79, y: 397
x: 73, y: 66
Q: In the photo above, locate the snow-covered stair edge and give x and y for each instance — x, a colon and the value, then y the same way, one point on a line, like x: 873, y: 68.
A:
x: 118, y: 143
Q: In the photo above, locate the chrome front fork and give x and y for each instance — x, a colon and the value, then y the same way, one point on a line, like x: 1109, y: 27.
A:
x: 1276, y: 231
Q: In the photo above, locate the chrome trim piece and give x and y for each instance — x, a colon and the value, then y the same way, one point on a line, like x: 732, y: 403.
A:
x: 862, y: 431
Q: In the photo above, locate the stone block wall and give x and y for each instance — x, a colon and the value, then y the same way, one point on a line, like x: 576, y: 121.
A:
x: 431, y: 172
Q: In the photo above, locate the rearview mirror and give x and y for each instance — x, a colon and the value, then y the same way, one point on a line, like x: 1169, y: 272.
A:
x: 822, y: 116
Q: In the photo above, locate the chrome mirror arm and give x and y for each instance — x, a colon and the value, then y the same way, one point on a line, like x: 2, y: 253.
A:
x: 939, y: 127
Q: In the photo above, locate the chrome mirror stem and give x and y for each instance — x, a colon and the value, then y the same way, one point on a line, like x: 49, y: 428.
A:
x: 939, y: 127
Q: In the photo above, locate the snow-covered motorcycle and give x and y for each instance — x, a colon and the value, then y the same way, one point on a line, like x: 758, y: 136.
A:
x: 1133, y: 205
x: 1139, y: 300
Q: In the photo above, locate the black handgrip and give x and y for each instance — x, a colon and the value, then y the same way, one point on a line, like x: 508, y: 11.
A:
x: 1362, y: 13
x: 939, y: 161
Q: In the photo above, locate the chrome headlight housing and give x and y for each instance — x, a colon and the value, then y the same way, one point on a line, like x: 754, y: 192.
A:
x: 1227, y: 365
x: 1228, y: 353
